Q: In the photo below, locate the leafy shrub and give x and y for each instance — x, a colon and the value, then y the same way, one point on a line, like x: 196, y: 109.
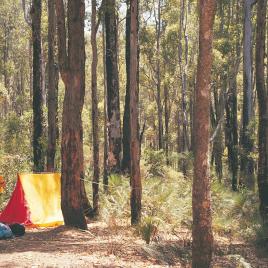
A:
x: 155, y: 162
x: 148, y: 228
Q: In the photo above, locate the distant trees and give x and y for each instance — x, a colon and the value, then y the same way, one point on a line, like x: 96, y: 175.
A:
x: 202, y: 222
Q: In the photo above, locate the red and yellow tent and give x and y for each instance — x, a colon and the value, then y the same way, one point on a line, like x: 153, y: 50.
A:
x: 35, y: 201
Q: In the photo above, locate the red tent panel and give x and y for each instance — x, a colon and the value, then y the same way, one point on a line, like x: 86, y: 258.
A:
x: 16, y: 210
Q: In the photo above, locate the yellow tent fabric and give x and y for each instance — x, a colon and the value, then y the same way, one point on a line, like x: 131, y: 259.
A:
x: 43, y: 197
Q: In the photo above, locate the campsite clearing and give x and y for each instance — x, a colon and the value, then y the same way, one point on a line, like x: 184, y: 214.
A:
x: 117, y: 245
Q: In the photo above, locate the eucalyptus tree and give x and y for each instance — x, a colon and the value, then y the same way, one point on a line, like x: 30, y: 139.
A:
x: 38, y: 114
x: 113, y: 101
x: 261, y: 87
x: 202, y: 220
x: 72, y: 68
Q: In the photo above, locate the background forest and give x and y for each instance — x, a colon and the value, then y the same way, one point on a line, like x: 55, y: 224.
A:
x: 168, y: 54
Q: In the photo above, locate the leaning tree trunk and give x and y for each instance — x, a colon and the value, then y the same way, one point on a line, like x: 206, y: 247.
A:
x: 126, y: 120
x: 52, y: 100
x: 247, y: 163
x: 95, y: 114
x: 202, y: 222
x: 38, y: 128
x: 72, y: 68
x: 263, y: 110
x: 134, y: 115
x: 113, y: 102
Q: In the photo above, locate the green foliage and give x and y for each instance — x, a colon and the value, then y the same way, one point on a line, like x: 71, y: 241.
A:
x: 154, y: 161
x: 148, y: 228
x: 235, y: 212
x: 16, y: 134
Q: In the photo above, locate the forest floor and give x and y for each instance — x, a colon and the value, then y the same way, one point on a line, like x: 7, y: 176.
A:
x: 116, y: 244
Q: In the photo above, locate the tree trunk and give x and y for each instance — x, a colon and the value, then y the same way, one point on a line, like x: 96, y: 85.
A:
x: 167, y: 116
x: 218, y: 139
x: 247, y: 163
x: 231, y: 128
x: 52, y: 100
x: 263, y: 110
x: 105, y: 127
x: 136, y: 189
x: 95, y: 114
x: 158, y: 78
x: 38, y: 120
x: 183, y: 63
x: 126, y: 120
x: 202, y: 229
x: 113, y: 102
x: 72, y: 69
x: 231, y: 132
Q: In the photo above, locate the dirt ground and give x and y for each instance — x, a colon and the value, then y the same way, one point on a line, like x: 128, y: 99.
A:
x: 118, y: 245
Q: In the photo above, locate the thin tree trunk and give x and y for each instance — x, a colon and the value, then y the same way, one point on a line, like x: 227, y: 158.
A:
x: 167, y: 116
x: 113, y: 102
x: 247, y: 163
x: 136, y: 189
x: 263, y: 110
x: 218, y: 140
x: 105, y: 128
x: 52, y: 100
x: 126, y: 120
x: 231, y: 128
x: 158, y: 78
x: 95, y: 114
x: 202, y: 222
x: 38, y: 119
x: 183, y: 63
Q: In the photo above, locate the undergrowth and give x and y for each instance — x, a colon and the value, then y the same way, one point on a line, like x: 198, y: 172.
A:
x: 166, y: 205
x: 166, y: 199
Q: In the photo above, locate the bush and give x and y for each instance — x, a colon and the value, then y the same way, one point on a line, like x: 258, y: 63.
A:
x: 155, y: 162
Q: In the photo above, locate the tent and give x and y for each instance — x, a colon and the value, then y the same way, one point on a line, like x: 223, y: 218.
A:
x: 35, y: 201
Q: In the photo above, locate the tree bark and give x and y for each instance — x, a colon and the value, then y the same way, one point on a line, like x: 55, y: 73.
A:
x: 38, y: 118
x: 158, y: 78
x: 52, y: 100
x: 105, y: 127
x: 113, y: 102
x: 263, y: 110
x: 167, y: 117
x: 183, y: 63
x: 95, y: 113
x: 126, y: 120
x: 136, y: 188
x: 202, y: 229
x: 247, y: 163
x: 218, y: 139
x: 72, y: 67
